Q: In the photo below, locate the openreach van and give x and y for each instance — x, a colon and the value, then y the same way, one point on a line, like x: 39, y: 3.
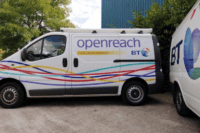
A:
x: 77, y: 62
x: 185, y: 64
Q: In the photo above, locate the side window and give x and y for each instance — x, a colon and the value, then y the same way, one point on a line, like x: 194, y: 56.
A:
x: 53, y: 46
x: 34, y: 51
x: 50, y: 46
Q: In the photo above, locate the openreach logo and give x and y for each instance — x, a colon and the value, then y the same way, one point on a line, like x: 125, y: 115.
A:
x: 191, y: 52
x: 104, y: 43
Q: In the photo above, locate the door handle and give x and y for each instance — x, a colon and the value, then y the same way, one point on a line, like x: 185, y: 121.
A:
x: 75, y: 62
x: 64, y: 62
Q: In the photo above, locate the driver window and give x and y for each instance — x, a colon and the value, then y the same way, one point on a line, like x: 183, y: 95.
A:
x: 34, y: 51
x: 53, y: 46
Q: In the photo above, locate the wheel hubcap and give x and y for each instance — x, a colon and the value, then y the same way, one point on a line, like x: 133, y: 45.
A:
x: 135, y: 93
x: 9, y: 95
x: 179, y: 100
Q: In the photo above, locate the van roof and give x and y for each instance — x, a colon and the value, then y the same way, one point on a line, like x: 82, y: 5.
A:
x: 111, y: 30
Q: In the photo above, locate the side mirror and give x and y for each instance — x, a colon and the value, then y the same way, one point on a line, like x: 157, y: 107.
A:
x: 23, y: 55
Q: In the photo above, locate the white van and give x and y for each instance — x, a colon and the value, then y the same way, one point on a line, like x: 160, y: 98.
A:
x: 185, y: 64
x: 77, y: 62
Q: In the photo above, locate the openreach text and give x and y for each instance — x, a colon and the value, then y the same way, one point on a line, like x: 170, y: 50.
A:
x: 108, y: 43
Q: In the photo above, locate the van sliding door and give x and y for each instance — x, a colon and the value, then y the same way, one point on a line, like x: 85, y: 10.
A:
x: 93, y: 64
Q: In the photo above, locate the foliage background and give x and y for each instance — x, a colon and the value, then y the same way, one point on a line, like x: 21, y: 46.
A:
x: 1, y: 52
x: 24, y: 20
x: 164, y: 20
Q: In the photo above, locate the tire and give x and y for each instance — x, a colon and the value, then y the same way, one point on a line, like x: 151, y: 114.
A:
x: 181, y: 107
x: 11, y: 95
x: 134, y: 93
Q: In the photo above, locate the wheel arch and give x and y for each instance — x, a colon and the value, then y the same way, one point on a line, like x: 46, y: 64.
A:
x: 5, y: 80
x: 136, y: 79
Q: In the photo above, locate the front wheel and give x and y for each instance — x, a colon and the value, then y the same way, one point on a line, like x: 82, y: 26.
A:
x: 181, y: 107
x: 134, y: 93
x: 11, y: 95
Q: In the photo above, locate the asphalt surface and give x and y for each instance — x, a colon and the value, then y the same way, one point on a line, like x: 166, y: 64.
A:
x: 97, y: 115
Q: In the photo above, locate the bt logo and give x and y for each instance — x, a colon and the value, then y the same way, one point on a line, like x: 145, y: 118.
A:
x: 174, y: 56
x: 191, y: 53
x: 145, y: 52
x: 135, y: 52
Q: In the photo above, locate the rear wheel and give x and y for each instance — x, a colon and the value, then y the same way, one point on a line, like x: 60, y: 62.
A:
x: 134, y: 93
x: 181, y: 107
x: 11, y: 95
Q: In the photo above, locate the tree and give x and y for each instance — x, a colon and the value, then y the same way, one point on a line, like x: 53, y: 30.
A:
x: 24, y: 20
x: 163, y: 19
x: 1, y: 52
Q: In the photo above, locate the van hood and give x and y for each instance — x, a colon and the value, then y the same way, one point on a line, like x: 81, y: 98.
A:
x: 16, y: 57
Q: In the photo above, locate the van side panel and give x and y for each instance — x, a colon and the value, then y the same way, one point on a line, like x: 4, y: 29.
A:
x: 96, y: 71
x: 143, y: 60
x: 139, y: 59
x: 107, y: 60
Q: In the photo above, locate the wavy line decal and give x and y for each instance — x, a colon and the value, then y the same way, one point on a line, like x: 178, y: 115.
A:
x: 148, y: 63
x: 87, y: 76
x: 36, y: 67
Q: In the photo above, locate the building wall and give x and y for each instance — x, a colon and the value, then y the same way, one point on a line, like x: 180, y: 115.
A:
x: 115, y: 13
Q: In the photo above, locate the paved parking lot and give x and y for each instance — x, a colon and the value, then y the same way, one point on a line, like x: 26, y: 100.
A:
x: 97, y: 115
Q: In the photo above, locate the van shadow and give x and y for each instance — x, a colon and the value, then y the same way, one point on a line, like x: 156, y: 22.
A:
x: 84, y: 101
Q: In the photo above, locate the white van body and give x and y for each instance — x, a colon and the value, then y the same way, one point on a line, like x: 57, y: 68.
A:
x: 93, y: 63
x: 184, y: 61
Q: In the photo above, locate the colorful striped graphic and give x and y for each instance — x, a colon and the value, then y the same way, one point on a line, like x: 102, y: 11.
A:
x: 193, y: 14
x: 88, y: 76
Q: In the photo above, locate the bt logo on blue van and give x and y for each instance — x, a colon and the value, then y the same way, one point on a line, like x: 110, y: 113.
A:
x: 108, y: 43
